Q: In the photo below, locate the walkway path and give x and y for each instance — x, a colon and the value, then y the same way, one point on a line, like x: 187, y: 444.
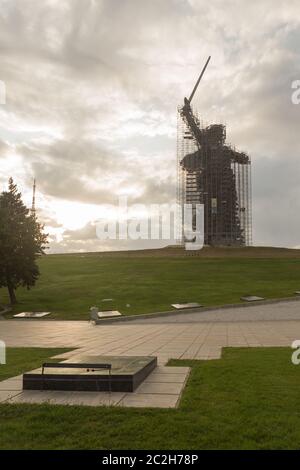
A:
x: 186, y: 336
x: 289, y: 310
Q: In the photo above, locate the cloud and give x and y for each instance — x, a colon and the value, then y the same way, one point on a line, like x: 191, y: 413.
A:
x: 3, y: 149
x: 88, y: 232
x: 93, y: 86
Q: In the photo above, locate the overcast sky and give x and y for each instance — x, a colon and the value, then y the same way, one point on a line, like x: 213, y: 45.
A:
x: 92, y: 88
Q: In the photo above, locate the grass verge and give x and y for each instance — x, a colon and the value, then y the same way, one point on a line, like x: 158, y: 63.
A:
x: 70, y: 284
x: 247, y: 400
x: 19, y: 360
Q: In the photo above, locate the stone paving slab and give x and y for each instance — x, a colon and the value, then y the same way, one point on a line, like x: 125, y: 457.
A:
x: 171, y: 370
x: 143, y: 401
x: 162, y: 388
x: 166, y: 378
x: 32, y: 396
x: 5, y: 395
x: 152, y: 392
x: 55, y: 397
x: 14, y: 383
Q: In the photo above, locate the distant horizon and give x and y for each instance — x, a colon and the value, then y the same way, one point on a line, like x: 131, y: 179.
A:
x: 171, y: 246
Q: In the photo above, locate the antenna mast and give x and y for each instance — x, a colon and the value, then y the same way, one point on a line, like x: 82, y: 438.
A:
x: 33, y: 210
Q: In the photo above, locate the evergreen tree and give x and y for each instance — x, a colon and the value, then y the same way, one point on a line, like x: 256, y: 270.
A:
x: 22, y: 241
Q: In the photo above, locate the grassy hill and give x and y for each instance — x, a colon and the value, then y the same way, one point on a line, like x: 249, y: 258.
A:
x: 150, y: 280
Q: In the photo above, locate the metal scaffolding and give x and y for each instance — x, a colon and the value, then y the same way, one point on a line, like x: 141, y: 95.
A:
x: 212, y: 173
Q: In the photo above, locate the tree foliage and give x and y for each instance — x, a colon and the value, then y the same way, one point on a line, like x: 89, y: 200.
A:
x: 22, y: 241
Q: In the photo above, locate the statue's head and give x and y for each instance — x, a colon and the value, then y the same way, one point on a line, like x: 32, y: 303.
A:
x: 215, y: 134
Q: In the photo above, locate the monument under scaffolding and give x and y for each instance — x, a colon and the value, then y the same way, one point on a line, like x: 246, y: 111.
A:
x: 215, y: 174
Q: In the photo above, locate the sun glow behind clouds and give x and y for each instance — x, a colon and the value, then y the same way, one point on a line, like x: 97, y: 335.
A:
x: 74, y: 215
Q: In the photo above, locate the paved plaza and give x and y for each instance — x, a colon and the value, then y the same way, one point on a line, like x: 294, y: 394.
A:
x: 186, y: 336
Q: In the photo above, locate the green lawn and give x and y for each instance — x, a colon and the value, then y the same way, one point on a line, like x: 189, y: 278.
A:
x: 70, y: 284
x: 19, y: 360
x: 247, y: 400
